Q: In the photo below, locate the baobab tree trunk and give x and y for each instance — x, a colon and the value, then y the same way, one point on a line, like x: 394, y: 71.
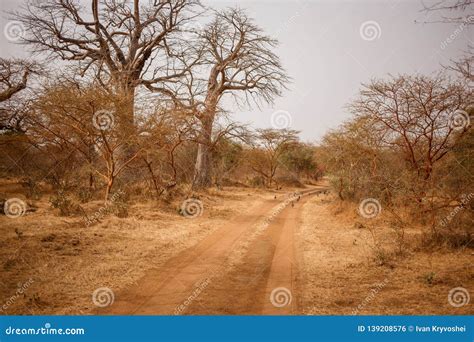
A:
x: 124, y: 122
x: 202, y: 169
x: 125, y: 103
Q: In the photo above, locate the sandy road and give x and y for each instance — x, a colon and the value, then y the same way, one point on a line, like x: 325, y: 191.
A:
x: 199, y: 280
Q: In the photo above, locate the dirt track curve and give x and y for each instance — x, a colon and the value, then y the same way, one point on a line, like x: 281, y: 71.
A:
x: 206, y: 279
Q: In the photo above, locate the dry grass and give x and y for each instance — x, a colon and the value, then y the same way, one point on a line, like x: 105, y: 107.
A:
x: 66, y: 260
x: 343, y: 264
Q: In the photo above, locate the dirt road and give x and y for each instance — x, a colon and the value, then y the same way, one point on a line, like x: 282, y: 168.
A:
x: 246, y: 267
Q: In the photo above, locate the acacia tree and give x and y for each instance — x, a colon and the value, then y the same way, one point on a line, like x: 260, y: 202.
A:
x: 240, y: 61
x: 417, y: 115
x: 169, y: 130
x: 300, y: 159
x: 268, y: 149
x: 74, y: 119
x: 121, y: 42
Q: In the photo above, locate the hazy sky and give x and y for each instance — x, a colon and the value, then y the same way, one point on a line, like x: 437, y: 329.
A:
x: 323, y: 49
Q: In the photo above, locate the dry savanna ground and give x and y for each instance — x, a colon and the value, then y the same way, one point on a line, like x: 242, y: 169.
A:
x: 288, y: 251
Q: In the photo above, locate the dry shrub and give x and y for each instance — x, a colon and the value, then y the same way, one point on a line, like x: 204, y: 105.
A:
x: 453, y: 239
x: 85, y: 194
x: 66, y: 206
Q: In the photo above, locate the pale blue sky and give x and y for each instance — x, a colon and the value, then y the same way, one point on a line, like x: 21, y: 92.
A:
x: 323, y: 51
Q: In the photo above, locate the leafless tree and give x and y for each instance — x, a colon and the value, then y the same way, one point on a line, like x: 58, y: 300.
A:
x: 240, y: 61
x: 415, y: 114
x: 119, y: 41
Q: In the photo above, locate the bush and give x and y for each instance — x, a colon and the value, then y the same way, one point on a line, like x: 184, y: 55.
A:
x: 448, y: 238
x: 84, y: 194
x: 65, y: 205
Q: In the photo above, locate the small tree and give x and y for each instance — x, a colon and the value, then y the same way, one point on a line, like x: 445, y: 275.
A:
x: 268, y: 148
x: 167, y: 132
x: 300, y: 160
x: 78, y: 120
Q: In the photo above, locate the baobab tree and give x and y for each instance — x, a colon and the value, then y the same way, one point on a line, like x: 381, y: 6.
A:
x: 241, y: 62
x: 123, y: 43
